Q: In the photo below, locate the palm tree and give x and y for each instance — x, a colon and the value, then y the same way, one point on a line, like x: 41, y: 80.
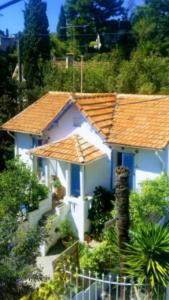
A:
x: 147, y: 256
x: 122, y: 208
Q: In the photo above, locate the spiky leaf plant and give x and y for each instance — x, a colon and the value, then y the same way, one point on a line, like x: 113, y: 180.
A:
x: 147, y: 257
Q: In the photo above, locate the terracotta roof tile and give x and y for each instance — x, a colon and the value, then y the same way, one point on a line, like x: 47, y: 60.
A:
x: 129, y: 120
x: 73, y: 149
x: 140, y: 121
x: 36, y: 117
x: 98, y: 109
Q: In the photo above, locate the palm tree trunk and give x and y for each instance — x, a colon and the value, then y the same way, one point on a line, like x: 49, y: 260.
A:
x: 123, y: 221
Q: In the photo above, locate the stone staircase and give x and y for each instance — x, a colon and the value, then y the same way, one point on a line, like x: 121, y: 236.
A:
x: 52, y: 219
x: 45, y: 264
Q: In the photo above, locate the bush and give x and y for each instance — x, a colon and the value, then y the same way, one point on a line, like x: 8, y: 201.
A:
x: 100, y: 212
x: 103, y: 258
x: 18, y: 187
x: 151, y: 202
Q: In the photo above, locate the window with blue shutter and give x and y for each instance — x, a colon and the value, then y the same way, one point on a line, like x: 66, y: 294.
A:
x: 75, y: 180
x: 127, y: 160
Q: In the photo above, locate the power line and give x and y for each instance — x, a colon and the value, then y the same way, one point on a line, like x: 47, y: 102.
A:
x: 9, y: 3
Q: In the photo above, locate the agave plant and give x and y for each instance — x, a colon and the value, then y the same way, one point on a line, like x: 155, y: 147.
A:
x: 147, y: 257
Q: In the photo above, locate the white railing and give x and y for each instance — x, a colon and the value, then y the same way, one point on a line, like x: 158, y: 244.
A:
x: 86, y: 286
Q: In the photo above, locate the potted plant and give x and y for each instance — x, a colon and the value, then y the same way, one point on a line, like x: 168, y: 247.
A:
x: 57, y: 188
x: 67, y: 236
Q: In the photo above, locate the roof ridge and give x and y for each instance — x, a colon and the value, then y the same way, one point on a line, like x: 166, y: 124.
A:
x: 91, y: 95
x: 78, y: 148
x: 59, y: 93
x: 115, y: 106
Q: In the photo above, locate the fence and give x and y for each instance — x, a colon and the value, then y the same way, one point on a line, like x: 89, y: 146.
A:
x: 85, y: 286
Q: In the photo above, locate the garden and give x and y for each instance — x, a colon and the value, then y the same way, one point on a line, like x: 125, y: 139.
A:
x: 131, y: 230
x: 129, y: 236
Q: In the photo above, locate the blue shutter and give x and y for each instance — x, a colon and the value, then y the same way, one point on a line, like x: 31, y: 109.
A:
x: 128, y: 161
x: 75, y: 180
x: 43, y: 166
x: 34, y: 142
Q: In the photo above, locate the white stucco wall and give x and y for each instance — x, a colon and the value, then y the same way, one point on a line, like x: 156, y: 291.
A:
x: 23, y: 144
x: 58, y: 168
x: 97, y: 173
x: 149, y: 164
x: 66, y: 127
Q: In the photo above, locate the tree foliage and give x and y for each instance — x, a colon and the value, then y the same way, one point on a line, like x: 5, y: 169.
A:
x: 151, y: 22
x: 151, y: 203
x: 19, y: 186
x: 18, y: 251
x: 9, y: 104
x: 18, y: 243
x: 99, y: 212
x: 104, y: 257
x: 36, y: 43
x: 62, y: 25
x: 92, y: 17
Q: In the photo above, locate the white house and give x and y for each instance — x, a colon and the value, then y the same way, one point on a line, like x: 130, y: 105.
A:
x: 81, y: 138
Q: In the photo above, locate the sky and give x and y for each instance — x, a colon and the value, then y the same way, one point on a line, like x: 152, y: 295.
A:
x: 12, y: 17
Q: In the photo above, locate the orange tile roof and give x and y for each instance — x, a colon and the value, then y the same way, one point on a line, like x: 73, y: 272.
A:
x: 129, y: 120
x: 140, y: 121
x: 36, y: 117
x: 73, y: 149
x: 98, y: 109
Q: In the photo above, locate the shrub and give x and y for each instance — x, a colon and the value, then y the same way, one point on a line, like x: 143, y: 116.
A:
x: 19, y: 186
x: 104, y: 257
x: 151, y: 202
x: 100, y: 211
x: 146, y: 259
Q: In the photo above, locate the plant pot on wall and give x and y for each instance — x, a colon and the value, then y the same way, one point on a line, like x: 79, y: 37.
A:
x: 58, y: 191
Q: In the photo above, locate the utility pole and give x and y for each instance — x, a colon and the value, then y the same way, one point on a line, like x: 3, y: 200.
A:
x: 81, y: 74
x: 19, y: 59
x: 73, y: 42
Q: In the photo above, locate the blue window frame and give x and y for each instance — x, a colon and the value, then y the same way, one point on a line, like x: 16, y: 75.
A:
x: 75, y: 180
x: 127, y: 160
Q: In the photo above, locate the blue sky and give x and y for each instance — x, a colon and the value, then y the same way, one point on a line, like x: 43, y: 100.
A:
x: 12, y: 17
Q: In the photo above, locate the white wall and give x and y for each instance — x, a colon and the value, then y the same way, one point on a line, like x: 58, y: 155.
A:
x: 58, y: 168
x: 66, y: 127
x: 23, y: 144
x: 149, y: 164
x: 97, y: 173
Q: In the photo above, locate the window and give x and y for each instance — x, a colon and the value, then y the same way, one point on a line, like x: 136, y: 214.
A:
x: 126, y: 159
x: 75, y: 180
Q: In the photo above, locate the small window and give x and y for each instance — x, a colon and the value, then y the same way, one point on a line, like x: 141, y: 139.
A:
x: 119, y: 158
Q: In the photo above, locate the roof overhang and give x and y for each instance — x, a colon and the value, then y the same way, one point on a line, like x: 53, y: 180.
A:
x: 136, y: 147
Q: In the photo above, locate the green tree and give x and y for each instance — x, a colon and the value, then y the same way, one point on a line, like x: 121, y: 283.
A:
x: 58, y: 47
x: 61, y: 26
x: 18, y: 251
x: 18, y: 186
x: 143, y: 74
x: 100, y: 210
x: 151, y: 203
x: 36, y: 42
x: 146, y: 259
x: 151, y: 23
x: 92, y: 17
x: 18, y: 244
x: 9, y: 104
